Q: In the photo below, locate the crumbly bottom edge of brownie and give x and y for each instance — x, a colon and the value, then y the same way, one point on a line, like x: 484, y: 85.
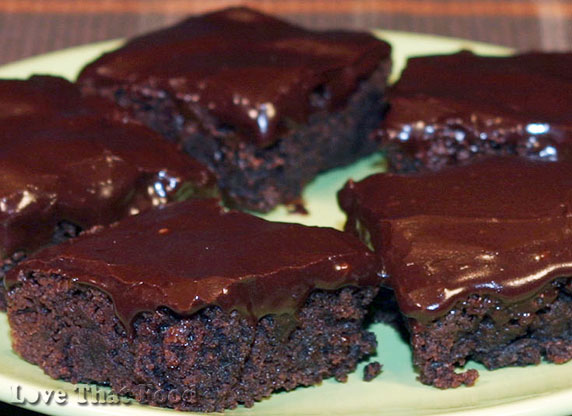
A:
x: 456, y: 142
x: 486, y: 330
x: 62, y: 232
x: 261, y: 178
x: 210, y: 361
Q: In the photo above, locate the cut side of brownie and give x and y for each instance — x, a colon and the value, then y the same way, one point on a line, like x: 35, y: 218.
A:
x: 62, y: 232
x: 486, y: 329
x: 69, y: 163
x: 479, y: 258
x: 210, y: 308
x: 447, y: 109
x: 267, y: 105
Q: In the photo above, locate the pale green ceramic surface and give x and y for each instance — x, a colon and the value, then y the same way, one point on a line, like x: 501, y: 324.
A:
x: 539, y: 390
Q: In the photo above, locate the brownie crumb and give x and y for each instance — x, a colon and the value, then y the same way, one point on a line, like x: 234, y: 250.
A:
x: 371, y: 371
x: 297, y: 207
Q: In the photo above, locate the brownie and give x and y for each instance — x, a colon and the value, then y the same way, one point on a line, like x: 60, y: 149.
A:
x: 479, y: 257
x: 266, y: 104
x: 371, y: 371
x: 447, y: 109
x: 210, y: 308
x: 68, y: 163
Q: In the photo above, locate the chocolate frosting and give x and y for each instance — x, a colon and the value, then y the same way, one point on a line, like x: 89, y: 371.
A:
x: 500, y: 226
x: 251, y: 71
x: 50, y: 96
x: 501, y: 98
x: 63, y: 158
x: 188, y: 255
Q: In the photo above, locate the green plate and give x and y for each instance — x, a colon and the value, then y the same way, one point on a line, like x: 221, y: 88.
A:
x: 545, y: 389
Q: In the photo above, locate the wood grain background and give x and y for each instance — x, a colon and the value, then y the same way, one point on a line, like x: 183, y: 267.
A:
x: 31, y: 27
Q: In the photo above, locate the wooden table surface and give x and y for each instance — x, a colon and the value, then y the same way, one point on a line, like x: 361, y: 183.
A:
x: 31, y: 27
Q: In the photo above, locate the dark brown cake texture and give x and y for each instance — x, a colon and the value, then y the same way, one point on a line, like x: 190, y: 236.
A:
x: 196, y: 308
x: 479, y: 258
x: 68, y: 163
x: 446, y: 109
x: 266, y: 104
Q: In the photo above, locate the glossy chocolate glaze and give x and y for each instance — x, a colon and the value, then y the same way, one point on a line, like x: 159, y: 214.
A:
x: 521, y: 99
x: 188, y: 255
x: 499, y: 226
x: 63, y: 158
x: 49, y: 96
x: 253, y: 72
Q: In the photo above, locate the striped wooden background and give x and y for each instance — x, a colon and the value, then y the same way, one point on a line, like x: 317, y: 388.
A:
x: 30, y: 27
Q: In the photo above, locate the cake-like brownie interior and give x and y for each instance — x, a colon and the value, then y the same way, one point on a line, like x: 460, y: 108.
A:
x: 68, y: 163
x: 486, y: 329
x: 191, y: 298
x: 266, y: 104
x: 447, y: 109
x: 479, y: 258
x: 63, y: 231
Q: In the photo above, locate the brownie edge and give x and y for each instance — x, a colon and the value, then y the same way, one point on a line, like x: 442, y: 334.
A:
x: 486, y: 330
x: 210, y: 361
